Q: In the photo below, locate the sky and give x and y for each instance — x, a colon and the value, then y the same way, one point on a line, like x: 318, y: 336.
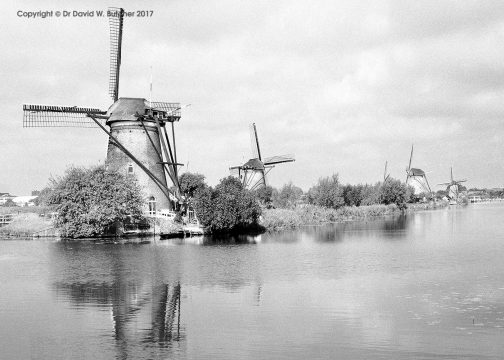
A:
x: 343, y: 85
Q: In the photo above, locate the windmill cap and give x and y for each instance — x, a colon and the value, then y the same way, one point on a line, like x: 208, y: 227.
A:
x: 254, y: 164
x: 416, y: 172
x: 127, y: 109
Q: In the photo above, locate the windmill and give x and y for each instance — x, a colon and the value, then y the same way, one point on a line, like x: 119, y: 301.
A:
x: 139, y: 141
x: 453, y: 188
x: 417, y: 178
x: 253, y: 172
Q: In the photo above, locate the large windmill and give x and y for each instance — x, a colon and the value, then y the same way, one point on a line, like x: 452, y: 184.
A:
x: 139, y: 142
x: 253, y: 172
x: 417, y: 178
x: 453, y: 188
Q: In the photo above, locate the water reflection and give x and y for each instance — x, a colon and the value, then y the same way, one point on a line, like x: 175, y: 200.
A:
x: 392, y: 228
x: 424, y: 285
x: 144, y: 307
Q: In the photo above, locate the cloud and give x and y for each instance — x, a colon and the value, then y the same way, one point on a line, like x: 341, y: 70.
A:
x: 344, y: 85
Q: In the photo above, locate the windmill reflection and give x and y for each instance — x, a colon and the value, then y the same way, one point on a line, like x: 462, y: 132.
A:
x: 144, y: 303
x: 165, y: 314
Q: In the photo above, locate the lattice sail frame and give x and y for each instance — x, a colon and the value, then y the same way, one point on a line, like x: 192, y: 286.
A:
x: 59, y: 116
x: 116, y: 20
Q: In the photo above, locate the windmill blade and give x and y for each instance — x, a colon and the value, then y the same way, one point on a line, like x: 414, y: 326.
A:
x: 254, y: 142
x: 116, y: 19
x: 445, y: 184
x: 59, y: 116
x: 279, y: 159
x: 410, y: 158
x: 460, y: 181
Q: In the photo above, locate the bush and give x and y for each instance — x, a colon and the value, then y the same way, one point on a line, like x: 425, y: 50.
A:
x: 265, y: 196
x: 89, y: 201
x: 287, y: 197
x: 394, y: 192
x: 282, y: 219
x: 228, y: 207
x: 327, y: 193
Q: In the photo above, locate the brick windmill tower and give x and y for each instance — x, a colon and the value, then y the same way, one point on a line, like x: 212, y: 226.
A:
x: 139, y: 142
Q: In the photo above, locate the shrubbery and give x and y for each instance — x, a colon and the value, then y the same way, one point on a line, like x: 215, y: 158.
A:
x: 327, y: 193
x: 90, y: 201
x: 287, y: 197
x: 228, y: 207
x: 282, y: 219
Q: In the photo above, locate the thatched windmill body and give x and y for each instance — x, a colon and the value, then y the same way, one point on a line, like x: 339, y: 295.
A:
x: 254, y: 171
x: 417, y: 178
x: 139, y: 142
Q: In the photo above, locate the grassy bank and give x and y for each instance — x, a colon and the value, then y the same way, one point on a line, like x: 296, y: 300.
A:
x: 25, y: 224
x: 283, y: 219
x: 25, y: 209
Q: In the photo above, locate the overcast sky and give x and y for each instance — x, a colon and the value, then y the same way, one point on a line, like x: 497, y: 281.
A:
x: 344, y: 85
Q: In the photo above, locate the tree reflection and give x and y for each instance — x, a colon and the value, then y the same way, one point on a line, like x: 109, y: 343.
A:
x: 392, y: 228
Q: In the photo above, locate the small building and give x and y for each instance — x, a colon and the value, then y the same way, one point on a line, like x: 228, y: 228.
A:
x: 27, y: 200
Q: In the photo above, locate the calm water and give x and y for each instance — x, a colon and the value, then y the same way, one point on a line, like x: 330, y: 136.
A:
x: 424, y: 286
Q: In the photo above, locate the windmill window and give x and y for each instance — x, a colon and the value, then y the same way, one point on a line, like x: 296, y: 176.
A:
x: 152, y: 205
x: 130, y: 169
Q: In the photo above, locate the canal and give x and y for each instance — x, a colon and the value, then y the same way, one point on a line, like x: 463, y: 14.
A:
x: 428, y: 285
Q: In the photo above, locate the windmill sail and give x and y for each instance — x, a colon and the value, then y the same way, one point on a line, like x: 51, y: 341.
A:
x: 59, y: 116
x: 279, y: 159
x: 254, y: 142
x: 139, y: 141
x: 253, y: 172
x: 116, y: 19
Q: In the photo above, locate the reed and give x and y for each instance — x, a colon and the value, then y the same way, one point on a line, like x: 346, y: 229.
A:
x: 283, y: 219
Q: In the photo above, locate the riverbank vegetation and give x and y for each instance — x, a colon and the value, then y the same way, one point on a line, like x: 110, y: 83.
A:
x: 93, y: 202
x: 282, y: 219
x: 329, y: 201
x: 228, y: 207
x: 26, y: 224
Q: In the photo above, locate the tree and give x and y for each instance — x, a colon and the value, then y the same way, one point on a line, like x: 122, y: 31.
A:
x: 353, y: 194
x: 328, y: 193
x: 371, y: 194
x: 90, y: 201
x: 287, y: 197
x: 43, y: 196
x: 393, y: 191
x: 228, y: 207
x: 190, y: 183
x: 265, y: 196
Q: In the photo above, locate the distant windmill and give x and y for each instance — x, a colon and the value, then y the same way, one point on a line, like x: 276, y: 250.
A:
x: 453, y: 188
x: 417, y: 178
x: 139, y: 142
x: 253, y: 172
